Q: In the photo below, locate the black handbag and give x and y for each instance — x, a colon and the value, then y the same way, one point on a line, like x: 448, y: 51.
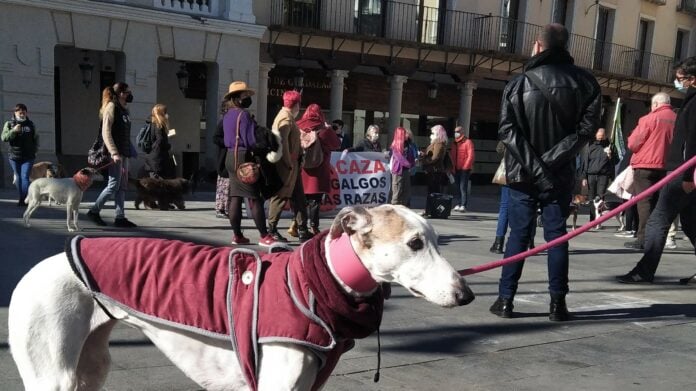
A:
x: 98, y: 155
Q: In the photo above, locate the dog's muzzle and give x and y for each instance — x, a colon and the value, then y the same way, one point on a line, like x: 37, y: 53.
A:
x: 464, y: 294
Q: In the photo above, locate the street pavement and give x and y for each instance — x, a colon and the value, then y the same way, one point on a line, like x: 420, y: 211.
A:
x: 623, y: 337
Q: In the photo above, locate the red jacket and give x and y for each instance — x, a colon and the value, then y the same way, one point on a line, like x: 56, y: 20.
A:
x: 317, y: 180
x: 652, y: 137
x: 462, y: 154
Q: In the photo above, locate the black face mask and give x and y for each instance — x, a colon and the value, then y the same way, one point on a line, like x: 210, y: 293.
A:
x: 129, y: 98
x: 246, y: 102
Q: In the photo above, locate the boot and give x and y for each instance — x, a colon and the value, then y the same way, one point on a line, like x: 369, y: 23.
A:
x: 292, y: 230
x: 497, y: 247
x: 304, y: 234
x: 502, y: 308
x: 273, y: 231
x: 558, y: 311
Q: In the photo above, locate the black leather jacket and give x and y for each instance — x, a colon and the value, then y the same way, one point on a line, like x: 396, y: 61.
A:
x: 541, y: 145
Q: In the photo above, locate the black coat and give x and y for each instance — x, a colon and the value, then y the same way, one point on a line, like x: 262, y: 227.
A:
x: 366, y: 145
x: 595, y: 161
x: 683, y: 145
x: 541, y: 145
x: 158, y: 160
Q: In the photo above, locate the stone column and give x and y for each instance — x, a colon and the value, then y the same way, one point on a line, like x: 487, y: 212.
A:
x: 466, y: 94
x: 396, y: 89
x: 262, y: 94
x: 337, y: 77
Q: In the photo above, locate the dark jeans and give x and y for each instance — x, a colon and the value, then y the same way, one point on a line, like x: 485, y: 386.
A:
x: 672, y: 201
x: 642, y: 179
x: 596, y: 186
x: 22, y: 169
x: 313, y: 208
x: 502, y: 226
x: 521, y: 217
x: 461, y: 180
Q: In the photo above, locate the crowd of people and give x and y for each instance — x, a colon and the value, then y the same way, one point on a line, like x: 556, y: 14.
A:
x: 551, y: 143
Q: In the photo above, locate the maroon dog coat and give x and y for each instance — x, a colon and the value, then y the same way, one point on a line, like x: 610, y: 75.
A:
x: 237, y: 294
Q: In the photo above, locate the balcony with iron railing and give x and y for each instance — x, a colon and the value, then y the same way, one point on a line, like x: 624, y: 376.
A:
x: 494, y: 35
x: 206, y: 8
x: 687, y: 6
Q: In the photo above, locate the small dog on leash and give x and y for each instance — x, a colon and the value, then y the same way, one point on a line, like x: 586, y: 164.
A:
x: 603, y: 206
x: 575, y: 204
x: 67, y: 191
x: 157, y: 193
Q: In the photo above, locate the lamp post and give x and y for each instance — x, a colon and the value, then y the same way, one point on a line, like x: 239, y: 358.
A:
x: 86, y: 68
x: 182, y: 78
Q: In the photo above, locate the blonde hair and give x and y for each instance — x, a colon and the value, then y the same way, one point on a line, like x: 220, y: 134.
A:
x: 158, y: 117
x: 440, y: 132
x: 108, y: 96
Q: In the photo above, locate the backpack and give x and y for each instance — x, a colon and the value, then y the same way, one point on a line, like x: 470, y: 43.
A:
x: 313, y: 153
x: 145, y: 138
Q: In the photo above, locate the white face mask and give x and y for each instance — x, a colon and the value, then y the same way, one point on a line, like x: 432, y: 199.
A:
x: 433, y: 137
x: 20, y: 117
x: 373, y: 137
x: 457, y: 134
x: 679, y: 85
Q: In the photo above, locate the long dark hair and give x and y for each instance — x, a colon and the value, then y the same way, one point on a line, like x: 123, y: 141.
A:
x: 230, y: 101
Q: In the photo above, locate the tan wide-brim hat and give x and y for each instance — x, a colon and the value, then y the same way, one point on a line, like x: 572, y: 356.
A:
x: 239, y: 86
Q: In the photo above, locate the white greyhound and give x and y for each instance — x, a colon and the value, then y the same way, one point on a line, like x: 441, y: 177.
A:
x: 59, y: 334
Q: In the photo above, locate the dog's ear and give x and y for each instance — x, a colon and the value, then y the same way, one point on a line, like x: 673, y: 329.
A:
x: 350, y: 220
x: 86, y: 171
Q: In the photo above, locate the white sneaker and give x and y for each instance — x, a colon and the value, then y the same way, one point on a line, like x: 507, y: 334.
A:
x: 670, y: 244
x: 462, y: 209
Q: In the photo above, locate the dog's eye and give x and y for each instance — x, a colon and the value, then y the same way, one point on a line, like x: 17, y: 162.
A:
x: 415, y: 244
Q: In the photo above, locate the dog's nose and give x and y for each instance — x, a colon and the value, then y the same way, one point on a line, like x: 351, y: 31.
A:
x: 464, y: 296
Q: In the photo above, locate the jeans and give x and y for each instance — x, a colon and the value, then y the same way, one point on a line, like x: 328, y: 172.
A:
x: 22, y: 169
x: 671, y: 202
x: 521, y: 216
x: 116, y: 187
x: 461, y: 180
x: 502, y: 226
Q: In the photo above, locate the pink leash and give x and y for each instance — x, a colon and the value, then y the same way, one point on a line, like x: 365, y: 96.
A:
x: 521, y: 256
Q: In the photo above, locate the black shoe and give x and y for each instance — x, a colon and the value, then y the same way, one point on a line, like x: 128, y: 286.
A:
x: 558, y: 311
x: 304, y: 235
x: 497, y: 247
x: 635, y: 245
x: 96, y: 219
x: 502, y: 307
x: 123, y: 222
x: 633, y: 278
x: 21, y: 203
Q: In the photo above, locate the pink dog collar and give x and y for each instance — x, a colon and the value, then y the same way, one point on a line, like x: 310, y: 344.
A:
x: 348, y: 267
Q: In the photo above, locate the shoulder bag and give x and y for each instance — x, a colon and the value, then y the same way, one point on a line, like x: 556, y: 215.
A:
x: 98, y: 155
x: 248, y: 172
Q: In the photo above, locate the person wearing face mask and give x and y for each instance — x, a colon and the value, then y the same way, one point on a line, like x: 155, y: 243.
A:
x: 158, y: 163
x: 20, y: 134
x: 597, y: 168
x: 287, y: 161
x: 678, y: 196
x: 115, y: 131
x: 346, y: 140
x: 370, y: 143
x: 649, y: 142
x: 462, y: 155
x: 432, y: 160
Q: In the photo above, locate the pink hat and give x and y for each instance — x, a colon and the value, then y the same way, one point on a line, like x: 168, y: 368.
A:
x: 291, y: 98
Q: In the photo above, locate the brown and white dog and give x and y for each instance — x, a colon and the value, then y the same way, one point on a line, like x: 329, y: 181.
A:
x: 44, y: 170
x: 603, y: 206
x: 66, y: 191
x: 578, y: 200
x: 66, y: 347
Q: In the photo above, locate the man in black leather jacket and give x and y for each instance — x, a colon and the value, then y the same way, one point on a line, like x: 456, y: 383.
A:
x: 548, y: 115
x: 678, y: 196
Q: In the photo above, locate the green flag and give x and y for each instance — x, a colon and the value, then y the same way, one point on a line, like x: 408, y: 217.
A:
x: 617, y: 138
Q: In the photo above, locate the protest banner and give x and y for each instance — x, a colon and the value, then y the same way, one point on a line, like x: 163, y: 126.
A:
x: 358, y: 178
